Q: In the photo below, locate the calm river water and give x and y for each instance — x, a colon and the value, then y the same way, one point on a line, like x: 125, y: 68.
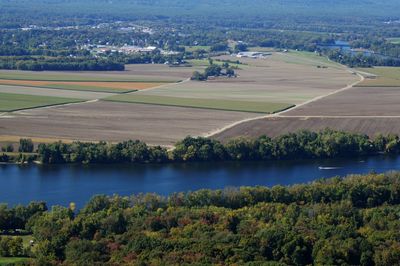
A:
x: 62, y: 184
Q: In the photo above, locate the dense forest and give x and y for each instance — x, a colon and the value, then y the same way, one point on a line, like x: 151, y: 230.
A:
x: 60, y: 64
x: 303, y: 144
x: 177, y: 9
x: 350, y: 221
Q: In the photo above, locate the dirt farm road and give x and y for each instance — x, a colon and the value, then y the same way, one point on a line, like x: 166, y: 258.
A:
x: 282, y: 113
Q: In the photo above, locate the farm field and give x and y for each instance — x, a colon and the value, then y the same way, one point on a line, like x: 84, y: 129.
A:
x: 267, y: 82
x: 164, y: 114
x: 90, y: 85
x: 383, y: 77
x: 366, y: 110
x: 277, y: 126
x: 358, y: 101
x: 111, y: 87
x: 112, y: 121
x: 12, y: 102
x: 83, y: 95
x: 135, y: 77
x: 132, y: 73
x: 228, y: 105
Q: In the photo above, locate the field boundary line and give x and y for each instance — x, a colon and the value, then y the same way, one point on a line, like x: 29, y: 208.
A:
x: 278, y: 114
x: 195, y: 107
x: 340, y: 116
x: 52, y: 106
x: 362, y: 78
x: 94, y: 80
x: 65, y: 89
x: 163, y: 85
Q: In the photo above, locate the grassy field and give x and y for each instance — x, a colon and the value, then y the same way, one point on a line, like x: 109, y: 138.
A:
x: 227, y: 105
x: 309, y: 58
x: 13, y: 102
x: 388, y: 72
x: 394, y: 40
x: 13, y: 261
x: 385, y: 77
x: 205, y: 62
x: 196, y: 48
x: 262, y: 49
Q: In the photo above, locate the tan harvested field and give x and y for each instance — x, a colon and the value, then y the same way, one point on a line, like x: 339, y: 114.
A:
x: 379, y: 82
x: 133, y: 73
x: 116, y: 122
x: 366, y: 110
x: 114, y: 85
x: 276, y: 126
x: 280, y: 78
x: 358, y: 101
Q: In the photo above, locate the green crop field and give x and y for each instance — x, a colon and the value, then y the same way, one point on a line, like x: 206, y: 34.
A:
x: 13, y: 102
x: 227, y: 105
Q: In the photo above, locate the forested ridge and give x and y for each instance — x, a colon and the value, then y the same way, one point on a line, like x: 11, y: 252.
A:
x: 350, y: 221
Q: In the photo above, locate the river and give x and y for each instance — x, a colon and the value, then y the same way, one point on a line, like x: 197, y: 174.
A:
x: 62, y: 184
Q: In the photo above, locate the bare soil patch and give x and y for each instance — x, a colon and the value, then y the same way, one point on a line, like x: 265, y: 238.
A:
x: 114, y: 85
x: 117, y: 122
x: 358, y: 101
x: 277, y: 126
